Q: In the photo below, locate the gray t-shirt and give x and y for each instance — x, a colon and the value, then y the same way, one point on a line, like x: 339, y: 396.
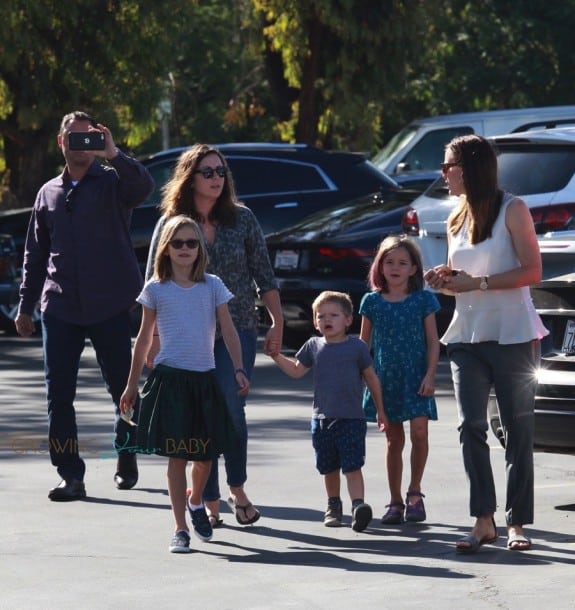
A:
x: 337, y: 371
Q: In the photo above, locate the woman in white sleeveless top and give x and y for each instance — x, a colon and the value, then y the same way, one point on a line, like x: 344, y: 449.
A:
x: 493, y: 338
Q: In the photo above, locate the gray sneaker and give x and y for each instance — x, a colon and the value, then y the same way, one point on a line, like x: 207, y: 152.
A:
x: 180, y: 543
x: 333, y: 515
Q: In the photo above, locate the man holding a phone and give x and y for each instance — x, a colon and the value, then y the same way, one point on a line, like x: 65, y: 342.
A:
x: 79, y: 258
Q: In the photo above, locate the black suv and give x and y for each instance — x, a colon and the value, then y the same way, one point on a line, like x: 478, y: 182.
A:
x: 283, y: 183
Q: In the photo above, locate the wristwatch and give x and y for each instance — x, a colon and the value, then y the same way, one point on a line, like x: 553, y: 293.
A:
x: 484, y: 283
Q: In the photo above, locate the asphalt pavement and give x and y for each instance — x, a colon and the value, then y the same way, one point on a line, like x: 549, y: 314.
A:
x: 111, y: 550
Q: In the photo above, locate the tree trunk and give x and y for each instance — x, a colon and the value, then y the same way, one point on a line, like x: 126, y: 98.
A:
x: 308, y: 118
x: 25, y: 162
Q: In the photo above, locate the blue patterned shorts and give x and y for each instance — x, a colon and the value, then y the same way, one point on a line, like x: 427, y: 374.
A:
x: 338, y: 443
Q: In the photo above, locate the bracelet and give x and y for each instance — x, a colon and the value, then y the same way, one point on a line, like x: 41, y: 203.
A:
x: 156, y: 335
x: 242, y: 371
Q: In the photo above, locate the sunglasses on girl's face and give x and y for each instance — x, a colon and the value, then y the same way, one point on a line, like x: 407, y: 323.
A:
x: 178, y: 244
x: 208, y: 172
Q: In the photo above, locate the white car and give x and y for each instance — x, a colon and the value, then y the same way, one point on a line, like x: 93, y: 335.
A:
x: 538, y: 166
x: 412, y: 156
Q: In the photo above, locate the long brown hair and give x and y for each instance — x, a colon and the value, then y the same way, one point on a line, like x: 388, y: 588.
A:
x: 482, y: 200
x: 376, y: 279
x: 162, y: 262
x: 178, y: 193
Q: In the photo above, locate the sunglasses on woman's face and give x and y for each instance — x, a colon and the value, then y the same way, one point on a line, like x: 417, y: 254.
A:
x: 208, y: 172
x: 178, y: 244
x: 445, y: 167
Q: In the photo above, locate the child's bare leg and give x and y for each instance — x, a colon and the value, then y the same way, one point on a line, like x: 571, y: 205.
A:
x: 355, y: 485
x: 419, y: 453
x: 177, y: 491
x: 361, y: 512
x: 394, y: 461
x: 199, y: 473
x: 332, y: 484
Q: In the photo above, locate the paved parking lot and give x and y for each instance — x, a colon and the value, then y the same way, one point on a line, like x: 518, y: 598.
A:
x: 110, y: 551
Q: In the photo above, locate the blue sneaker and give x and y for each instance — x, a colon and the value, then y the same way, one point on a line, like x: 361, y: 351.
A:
x: 180, y: 542
x: 202, y: 527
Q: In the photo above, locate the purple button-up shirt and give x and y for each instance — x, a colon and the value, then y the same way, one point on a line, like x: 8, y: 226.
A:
x: 79, y: 254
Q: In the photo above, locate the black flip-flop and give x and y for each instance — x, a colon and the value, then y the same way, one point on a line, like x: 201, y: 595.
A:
x: 238, y: 507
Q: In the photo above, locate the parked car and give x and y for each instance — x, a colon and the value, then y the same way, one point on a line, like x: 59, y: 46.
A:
x: 331, y: 250
x: 8, y: 283
x: 284, y: 183
x: 413, y: 155
x: 281, y: 183
x: 538, y: 166
x: 554, y: 299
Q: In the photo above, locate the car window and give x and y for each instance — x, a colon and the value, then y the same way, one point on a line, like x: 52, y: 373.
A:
x: 428, y: 153
x: 161, y: 172
x: 256, y: 176
x: 397, y: 142
x: 536, y: 169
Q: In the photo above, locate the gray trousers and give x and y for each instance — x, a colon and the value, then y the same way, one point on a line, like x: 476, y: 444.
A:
x: 510, y: 370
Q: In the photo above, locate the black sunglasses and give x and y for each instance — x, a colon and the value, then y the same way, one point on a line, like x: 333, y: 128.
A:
x: 178, y: 244
x: 445, y: 166
x: 208, y: 172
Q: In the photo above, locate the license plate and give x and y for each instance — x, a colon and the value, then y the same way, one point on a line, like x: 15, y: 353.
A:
x: 569, y: 338
x: 286, y: 259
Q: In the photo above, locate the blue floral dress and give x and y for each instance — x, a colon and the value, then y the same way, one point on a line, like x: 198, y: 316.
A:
x: 399, y: 353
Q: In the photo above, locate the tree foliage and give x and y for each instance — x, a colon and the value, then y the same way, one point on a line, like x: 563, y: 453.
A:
x: 497, y: 54
x: 106, y: 57
x: 345, y: 59
x: 336, y: 73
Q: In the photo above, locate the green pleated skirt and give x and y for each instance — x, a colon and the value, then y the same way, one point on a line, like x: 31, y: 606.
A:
x: 183, y: 414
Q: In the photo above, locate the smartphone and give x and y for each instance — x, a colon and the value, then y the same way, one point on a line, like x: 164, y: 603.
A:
x: 86, y: 140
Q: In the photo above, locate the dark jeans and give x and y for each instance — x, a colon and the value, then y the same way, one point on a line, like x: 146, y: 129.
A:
x: 63, y: 346
x: 236, y: 455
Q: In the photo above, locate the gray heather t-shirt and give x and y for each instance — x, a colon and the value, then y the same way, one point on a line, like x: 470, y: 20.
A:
x: 186, y: 320
x: 337, y: 371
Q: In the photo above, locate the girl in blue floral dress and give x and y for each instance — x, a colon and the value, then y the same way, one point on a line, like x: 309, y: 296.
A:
x: 398, y: 319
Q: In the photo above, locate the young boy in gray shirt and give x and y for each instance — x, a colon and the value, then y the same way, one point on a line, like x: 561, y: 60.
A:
x: 342, y: 365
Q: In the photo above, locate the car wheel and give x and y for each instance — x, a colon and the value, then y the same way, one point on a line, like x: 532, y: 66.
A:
x: 8, y: 315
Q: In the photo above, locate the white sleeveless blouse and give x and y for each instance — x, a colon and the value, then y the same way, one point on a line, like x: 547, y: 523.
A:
x: 505, y: 316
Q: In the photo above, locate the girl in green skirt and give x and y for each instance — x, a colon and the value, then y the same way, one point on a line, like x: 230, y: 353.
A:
x: 183, y: 413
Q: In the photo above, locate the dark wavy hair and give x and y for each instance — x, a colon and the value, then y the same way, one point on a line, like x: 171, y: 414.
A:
x: 178, y: 193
